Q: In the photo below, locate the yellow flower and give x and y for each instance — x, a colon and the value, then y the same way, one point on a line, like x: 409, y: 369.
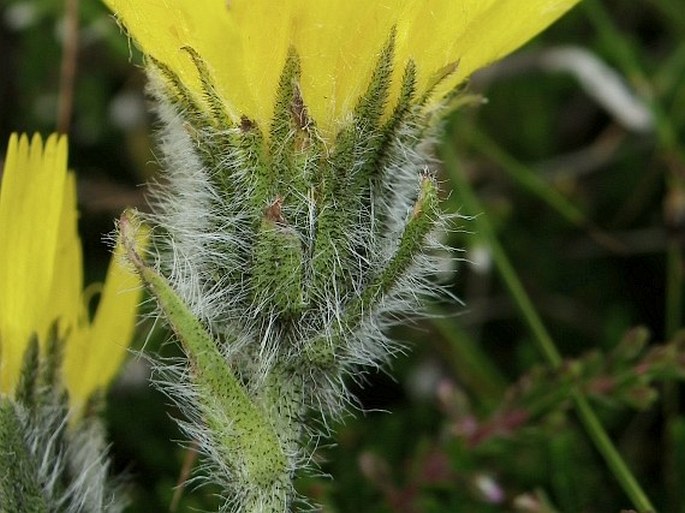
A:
x: 41, y: 274
x: 298, y: 205
x: 245, y: 43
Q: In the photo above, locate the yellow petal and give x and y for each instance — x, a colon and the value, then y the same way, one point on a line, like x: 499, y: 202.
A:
x: 244, y: 43
x: 162, y: 28
x: 339, y: 44
x: 94, y: 353
x: 473, y: 32
x: 66, y: 302
x: 31, y: 200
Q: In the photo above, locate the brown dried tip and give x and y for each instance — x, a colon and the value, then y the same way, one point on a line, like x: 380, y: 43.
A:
x: 274, y: 212
x: 127, y: 231
x: 246, y: 124
x: 299, y: 109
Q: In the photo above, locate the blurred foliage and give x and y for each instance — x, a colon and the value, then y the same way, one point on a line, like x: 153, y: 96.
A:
x: 590, y: 211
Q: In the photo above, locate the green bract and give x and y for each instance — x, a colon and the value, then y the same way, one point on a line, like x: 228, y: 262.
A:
x: 299, y: 206
x: 283, y: 255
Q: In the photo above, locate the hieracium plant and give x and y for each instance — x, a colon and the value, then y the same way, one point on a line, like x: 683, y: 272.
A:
x: 55, y: 361
x: 297, y: 213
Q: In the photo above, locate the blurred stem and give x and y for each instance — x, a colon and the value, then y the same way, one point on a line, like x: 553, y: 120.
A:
x: 487, y: 234
x: 613, y: 458
x: 67, y: 77
x: 629, y: 64
x: 674, y: 320
x: 538, y: 187
x: 671, y: 153
x: 615, y: 42
x: 546, y: 345
x: 523, y: 175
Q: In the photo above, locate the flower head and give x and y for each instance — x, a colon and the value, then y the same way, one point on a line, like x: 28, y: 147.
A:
x: 296, y: 136
x: 41, y: 274
x: 297, y: 215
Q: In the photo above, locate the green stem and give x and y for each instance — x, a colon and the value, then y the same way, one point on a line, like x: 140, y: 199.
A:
x: 546, y: 345
x: 243, y: 437
x: 626, y: 58
x: 534, y: 184
x: 608, y: 450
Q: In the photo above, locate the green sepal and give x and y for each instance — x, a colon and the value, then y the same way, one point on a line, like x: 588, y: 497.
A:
x: 357, y: 144
x: 216, y: 106
x: 261, y: 175
x: 277, y: 264
x: 281, y: 396
x: 213, y: 140
x: 51, y: 393
x: 346, y: 179
x: 19, y: 482
x: 26, y: 390
x: 242, y: 434
x: 404, y: 99
x: 397, y: 132
x: 436, y: 79
x: 40, y: 378
x: 371, y: 105
x: 51, y: 372
x: 323, y: 350
x: 331, y: 256
x: 294, y: 147
x: 413, y: 241
x: 288, y: 109
x: 181, y: 98
x: 47, y: 444
x: 399, y: 117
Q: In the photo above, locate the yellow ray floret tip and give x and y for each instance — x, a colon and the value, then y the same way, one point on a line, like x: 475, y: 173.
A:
x: 41, y: 273
x: 245, y: 43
